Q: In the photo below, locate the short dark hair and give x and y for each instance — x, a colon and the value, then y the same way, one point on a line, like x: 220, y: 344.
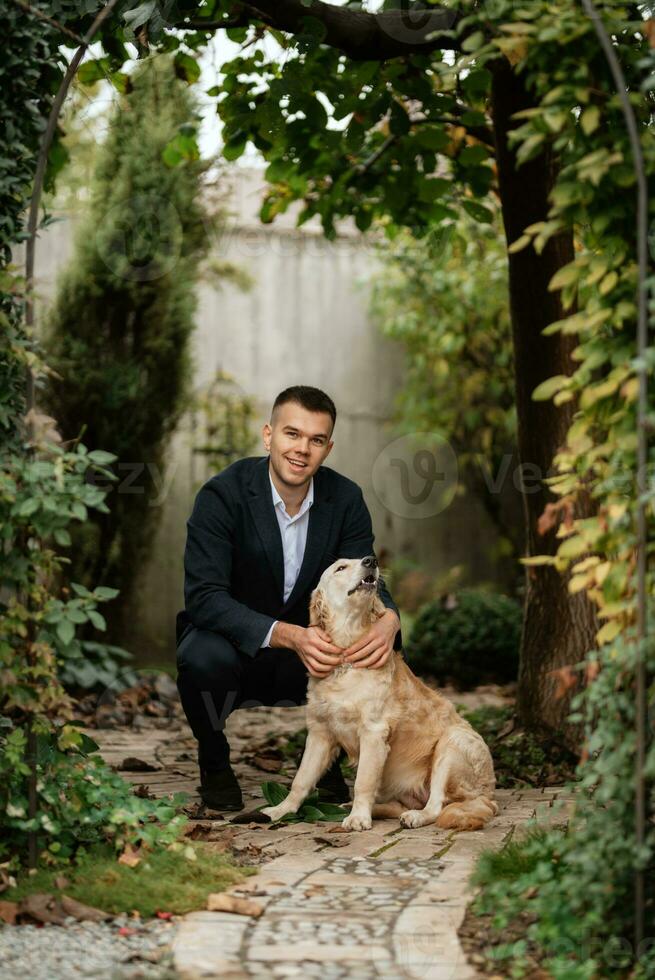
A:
x: 312, y: 399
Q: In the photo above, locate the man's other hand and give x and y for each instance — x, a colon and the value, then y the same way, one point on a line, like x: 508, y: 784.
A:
x: 375, y: 647
x: 315, y: 648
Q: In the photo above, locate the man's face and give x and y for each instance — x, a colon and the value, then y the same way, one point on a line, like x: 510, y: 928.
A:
x: 298, y: 441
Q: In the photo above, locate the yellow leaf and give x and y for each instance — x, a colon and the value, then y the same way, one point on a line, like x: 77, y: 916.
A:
x: 602, y: 571
x: 630, y: 389
x: 548, y: 388
x: 519, y: 243
x: 608, y: 632
x: 590, y: 119
x: 586, y: 563
x: 537, y: 560
x: 572, y: 547
x: 565, y: 276
x: 578, y: 582
x: 608, y: 283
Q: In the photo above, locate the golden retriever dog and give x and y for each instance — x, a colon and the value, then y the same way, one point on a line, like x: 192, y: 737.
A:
x: 417, y: 759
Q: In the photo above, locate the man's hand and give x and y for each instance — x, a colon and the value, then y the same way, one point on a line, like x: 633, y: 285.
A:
x: 313, y: 645
x: 375, y: 647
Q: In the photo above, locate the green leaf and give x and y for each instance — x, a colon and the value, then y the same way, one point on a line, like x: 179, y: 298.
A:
x: 97, y: 619
x: 478, y: 211
x: 101, y: 457
x: 274, y: 793
x: 105, y: 592
x: 186, y: 67
x: 310, y: 813
x: 62, y: 537
x: 432, y: 137
x: 65, y: 631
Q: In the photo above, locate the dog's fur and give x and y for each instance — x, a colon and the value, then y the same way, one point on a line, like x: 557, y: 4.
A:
x: 417, y: 758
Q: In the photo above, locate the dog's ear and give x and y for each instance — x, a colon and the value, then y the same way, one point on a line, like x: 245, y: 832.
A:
x: 317, y: 609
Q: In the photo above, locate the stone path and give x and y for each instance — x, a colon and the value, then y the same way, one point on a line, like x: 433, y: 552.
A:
x: 384, y: 903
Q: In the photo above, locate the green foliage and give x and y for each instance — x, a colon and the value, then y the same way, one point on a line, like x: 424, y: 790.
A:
x: 97, y: 666
x: 81, y: 801
x: 118, y: 334
x: 29, y: 68
x: 520, y: 756
x: 580, y: 885
x: 444, y: 296
x: 313, y: 810
x: 469, y: 638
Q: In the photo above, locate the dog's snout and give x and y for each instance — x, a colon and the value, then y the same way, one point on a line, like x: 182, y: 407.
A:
x: 370, y: 562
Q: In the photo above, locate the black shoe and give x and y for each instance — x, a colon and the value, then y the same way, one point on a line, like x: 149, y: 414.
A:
x: 220, y: 790
x: 332, y: 787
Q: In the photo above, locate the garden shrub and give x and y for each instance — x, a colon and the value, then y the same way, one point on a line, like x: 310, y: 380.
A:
x: 579, y: 885
x: 468, y: 638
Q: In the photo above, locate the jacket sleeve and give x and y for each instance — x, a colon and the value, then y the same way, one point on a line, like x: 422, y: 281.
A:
x: 357, y: 542
x: 208, y: 571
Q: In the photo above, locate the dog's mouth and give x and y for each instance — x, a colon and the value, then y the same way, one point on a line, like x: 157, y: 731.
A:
x: 368, y: 584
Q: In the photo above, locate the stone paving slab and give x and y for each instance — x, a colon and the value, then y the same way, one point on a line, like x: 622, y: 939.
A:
x: 385, y: 903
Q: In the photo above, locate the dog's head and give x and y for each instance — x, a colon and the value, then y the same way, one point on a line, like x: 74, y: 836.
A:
x: 347, y: 587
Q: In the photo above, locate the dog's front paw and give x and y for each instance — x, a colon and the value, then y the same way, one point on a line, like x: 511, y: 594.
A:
x: 357, y: 821
x: 276, y: 812
x: 414, y: 818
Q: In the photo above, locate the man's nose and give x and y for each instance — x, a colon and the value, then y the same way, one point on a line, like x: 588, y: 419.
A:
x: 370, y: 562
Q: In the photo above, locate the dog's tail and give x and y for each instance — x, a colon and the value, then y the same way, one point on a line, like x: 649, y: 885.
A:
x: 467, y: 814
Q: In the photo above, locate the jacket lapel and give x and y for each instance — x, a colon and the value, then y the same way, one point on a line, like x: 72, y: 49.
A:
x: 263, y: 512
x: 320, y: 520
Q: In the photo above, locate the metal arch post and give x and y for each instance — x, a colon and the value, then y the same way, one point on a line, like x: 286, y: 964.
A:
x: 642, y: 455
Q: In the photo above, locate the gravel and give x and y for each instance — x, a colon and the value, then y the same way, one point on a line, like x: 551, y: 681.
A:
x: 90, y: 950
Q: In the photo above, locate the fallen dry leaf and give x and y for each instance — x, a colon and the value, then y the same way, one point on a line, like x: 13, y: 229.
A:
x: 267, y: 763
x: 8, y: 912
x: 130, y: 857
x: 251, y: 817
x: 61, y: 881
x: 132, y: 764
x: 217, y: 902
x: 81, y: 912
x: 42, y: 907
x: 332, y: 841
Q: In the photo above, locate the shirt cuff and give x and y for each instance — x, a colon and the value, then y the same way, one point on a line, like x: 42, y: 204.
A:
x: 267, y: 638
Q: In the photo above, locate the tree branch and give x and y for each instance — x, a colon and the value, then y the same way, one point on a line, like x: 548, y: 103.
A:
x: 361, y: 35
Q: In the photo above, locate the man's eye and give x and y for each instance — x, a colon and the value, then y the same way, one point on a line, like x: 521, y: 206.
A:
x: 341, y: 568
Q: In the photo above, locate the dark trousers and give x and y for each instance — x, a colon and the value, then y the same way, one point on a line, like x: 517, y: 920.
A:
x: 214, y: 678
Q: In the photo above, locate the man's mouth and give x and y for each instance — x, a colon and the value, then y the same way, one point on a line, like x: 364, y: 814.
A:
x: 368, y: 584
x: 296, y: 464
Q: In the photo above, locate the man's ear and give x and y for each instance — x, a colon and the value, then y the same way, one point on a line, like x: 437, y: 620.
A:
x: 317, y: 609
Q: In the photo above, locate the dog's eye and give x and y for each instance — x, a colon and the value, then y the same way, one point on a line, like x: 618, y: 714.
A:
x: 341, y: 568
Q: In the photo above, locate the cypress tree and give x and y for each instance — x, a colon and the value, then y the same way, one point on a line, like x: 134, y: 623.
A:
x: 118, y: 333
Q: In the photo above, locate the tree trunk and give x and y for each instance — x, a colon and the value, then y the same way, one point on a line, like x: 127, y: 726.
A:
x: 558, y: 628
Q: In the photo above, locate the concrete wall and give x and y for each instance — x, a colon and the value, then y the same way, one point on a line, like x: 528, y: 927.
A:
x: 304, y: 321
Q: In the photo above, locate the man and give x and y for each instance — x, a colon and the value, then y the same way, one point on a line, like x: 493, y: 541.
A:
x: 260, y: 535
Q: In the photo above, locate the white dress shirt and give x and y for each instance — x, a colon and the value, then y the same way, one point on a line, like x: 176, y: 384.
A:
x: 294, y: 538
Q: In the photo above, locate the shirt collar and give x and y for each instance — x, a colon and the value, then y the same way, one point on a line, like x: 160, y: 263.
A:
x: 306, y: 504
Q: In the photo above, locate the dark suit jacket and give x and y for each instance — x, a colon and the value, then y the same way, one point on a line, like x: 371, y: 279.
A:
x: 234, y: 562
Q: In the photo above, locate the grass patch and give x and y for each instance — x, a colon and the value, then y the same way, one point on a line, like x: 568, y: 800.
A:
x: 517, y: 858
x: 164, y: 881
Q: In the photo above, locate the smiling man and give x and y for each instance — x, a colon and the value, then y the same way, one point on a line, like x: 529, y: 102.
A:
x: 260, y: 535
